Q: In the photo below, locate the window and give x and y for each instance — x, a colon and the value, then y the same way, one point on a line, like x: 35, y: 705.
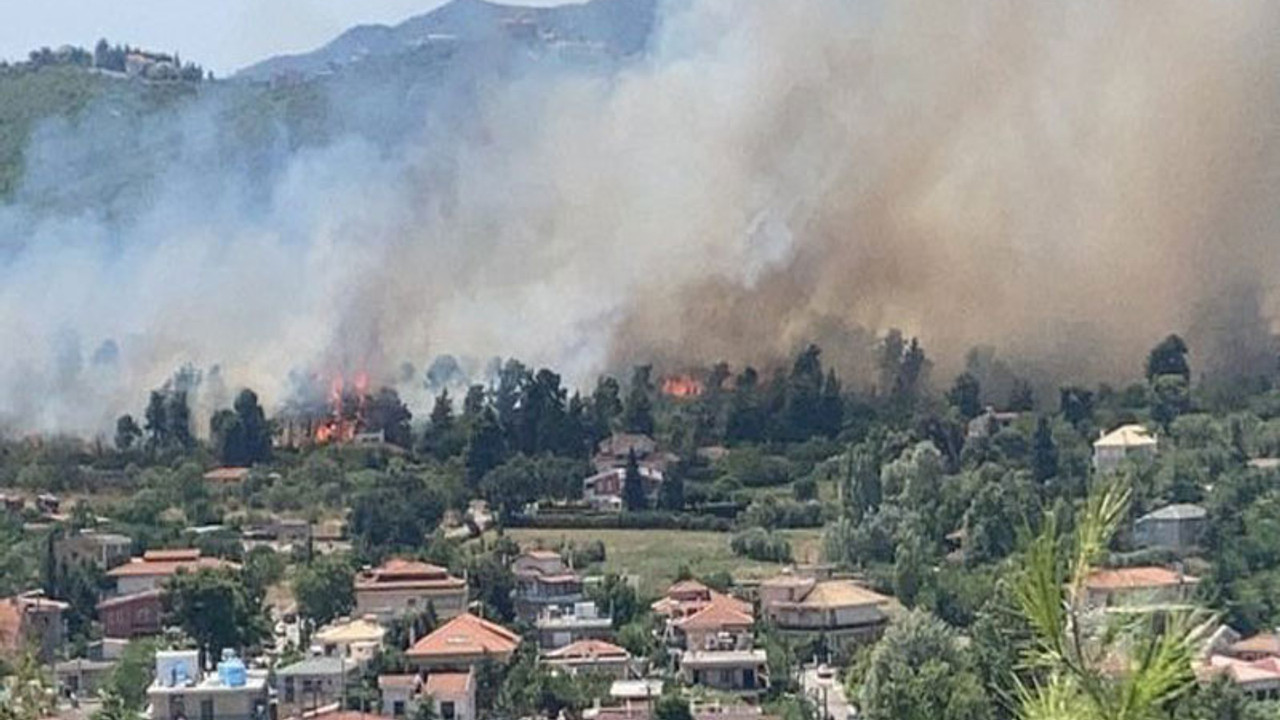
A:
x: 397, y: 708
x: 177, y: 708
x: 447, y: 711
x: 206, y: 709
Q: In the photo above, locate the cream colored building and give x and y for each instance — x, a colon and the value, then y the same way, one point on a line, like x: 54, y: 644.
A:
x: 1124, y: 443
x: 399, y: 587
x: 840, y: 610
x: 356, y: 640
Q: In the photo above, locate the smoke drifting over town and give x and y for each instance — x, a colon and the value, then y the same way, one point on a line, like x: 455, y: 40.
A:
x: 1068, y: 184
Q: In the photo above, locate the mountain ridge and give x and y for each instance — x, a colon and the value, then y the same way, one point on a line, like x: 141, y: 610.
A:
x: 614, y: 28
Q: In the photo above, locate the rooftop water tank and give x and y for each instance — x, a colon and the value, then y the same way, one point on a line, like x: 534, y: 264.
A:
x: 231, y: 670
x: 177, y: 668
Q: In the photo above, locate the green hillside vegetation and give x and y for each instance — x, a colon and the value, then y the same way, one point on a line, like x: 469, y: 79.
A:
x: 28, y: 97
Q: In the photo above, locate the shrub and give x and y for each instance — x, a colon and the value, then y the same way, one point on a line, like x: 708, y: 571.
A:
x: 760, y: 544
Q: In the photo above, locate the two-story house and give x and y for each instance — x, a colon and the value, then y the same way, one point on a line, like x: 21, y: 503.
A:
x: 841, y: 611
x: 182, y: 690
x: 544, y: 581
x: 399, y: 587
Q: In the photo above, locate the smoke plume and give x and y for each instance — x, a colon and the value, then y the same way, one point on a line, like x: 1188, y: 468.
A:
x: 1066, y: 182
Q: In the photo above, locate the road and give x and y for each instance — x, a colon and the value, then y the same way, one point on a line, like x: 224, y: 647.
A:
x: 828, y: 693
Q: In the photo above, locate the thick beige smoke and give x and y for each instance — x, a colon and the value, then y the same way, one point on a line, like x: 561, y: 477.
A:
x: 1066, y: 182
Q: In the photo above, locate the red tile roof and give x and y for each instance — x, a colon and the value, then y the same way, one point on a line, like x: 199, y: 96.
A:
x: 588, y: 650
x: 447, y: 684
x: 722, y: 611
x: 466, y: 634
x: 400, y: 574
x: 1136, y: 577
x: 167, y: 562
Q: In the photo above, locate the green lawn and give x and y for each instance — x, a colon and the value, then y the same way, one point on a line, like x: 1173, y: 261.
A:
x: 656, y: 556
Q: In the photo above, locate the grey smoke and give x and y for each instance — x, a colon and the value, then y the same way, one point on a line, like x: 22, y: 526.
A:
x: 1066, y: 183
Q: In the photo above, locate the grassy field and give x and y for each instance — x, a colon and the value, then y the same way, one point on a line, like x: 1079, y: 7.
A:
x: 656, y: 556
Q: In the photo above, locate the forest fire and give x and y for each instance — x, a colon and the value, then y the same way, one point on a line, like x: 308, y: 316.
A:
x: 681, y: 386
x: 346, y: 410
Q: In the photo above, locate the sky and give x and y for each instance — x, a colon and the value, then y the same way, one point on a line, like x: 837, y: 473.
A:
x: 221, y: 35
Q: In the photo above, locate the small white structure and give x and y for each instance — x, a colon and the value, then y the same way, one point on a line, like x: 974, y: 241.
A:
x: 182, y: 690
x: 1123, y: 443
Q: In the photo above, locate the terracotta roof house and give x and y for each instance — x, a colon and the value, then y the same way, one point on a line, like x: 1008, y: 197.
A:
x: 615, y: 450
x: 590, y: 656
x: 453, y: 693
x: 688, y: 597
x: 1258, y: 678
x: 841, y: 610
x: 1125, y: 442
x: 723, y: 623
x: 544, y: 581
x: 150, y: 571
x: 1262, y: 645
x: 31, y: 621
x: 1138, y: 587
x: 400, y: 586
x: 127, y: 616
x: 461, y: 643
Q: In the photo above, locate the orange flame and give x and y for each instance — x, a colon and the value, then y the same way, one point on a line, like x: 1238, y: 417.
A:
x: 681, y: 386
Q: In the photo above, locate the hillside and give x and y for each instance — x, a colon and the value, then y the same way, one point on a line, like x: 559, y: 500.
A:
x: 605, y: 28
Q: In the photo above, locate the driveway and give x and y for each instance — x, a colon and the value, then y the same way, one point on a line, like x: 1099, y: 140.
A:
x: 826, y: 693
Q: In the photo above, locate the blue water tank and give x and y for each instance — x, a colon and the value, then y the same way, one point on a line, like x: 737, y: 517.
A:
x: 231, y: 670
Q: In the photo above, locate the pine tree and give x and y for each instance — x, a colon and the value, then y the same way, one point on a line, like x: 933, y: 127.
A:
x: 633, y: 495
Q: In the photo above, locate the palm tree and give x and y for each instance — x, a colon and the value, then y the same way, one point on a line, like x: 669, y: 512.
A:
x: 1085, y: 664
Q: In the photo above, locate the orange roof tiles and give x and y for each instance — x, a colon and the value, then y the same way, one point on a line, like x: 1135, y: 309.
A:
x: 399, y: 573
x: 1136, y: 578
x: 447, y: 684
x: 588, y: 649
x: 722, y: 611
x: 686, y: 587
x: 466, y: 634
x: 165, y: 562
